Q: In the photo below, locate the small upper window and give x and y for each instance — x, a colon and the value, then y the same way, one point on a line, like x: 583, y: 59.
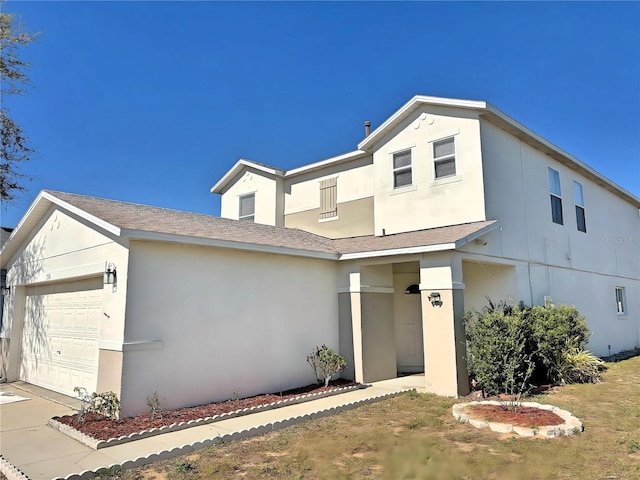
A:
x: 578, y: 199
x: 444, y: 157
x: 620, y: 301
x: 402, y: 169
x: 556, y: 196
x: 247, y: 207
x: 328, y: 198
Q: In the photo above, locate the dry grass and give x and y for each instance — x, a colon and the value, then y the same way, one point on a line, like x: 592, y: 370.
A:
x: 415, y: 436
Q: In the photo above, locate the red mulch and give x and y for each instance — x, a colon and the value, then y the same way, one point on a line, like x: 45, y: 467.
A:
x: 521, y: 417
x: 100, y: 428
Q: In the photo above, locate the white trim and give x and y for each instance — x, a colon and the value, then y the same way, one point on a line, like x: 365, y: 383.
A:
x: 444, y: 135
x: 238, y: 167
x: 328, y: 219
x: 323, y: 163
x: 130, y: 346
x: 210, y: 242
x: 366, y: 289
x: 408, y: 146
x: 399, y: 251
x: 445, y: 180
x: 442, y: 286
x: 407, y: 188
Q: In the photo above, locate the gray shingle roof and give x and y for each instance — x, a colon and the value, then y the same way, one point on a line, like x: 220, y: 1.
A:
x: 131, y: 216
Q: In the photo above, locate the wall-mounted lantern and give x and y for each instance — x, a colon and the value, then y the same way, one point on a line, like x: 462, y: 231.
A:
x: 5, y: 290
x: 110, y: 274
x: 435, y: 300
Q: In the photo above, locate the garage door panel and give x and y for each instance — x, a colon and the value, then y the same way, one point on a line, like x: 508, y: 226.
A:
x: 61, y: 335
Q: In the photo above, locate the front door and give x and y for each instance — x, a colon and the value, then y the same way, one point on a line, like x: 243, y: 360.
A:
x: 407, y: 311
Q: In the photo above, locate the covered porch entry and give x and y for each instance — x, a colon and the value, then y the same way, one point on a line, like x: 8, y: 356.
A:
x: 407, y: 317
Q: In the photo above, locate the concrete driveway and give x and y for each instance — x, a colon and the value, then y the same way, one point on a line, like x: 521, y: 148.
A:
x: 27, y: 443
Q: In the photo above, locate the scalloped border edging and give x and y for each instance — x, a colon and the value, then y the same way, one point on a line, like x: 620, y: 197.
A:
x: 11, y: 472
x: 570, y: 426
x: 238, y: 435
x: 174, y: 427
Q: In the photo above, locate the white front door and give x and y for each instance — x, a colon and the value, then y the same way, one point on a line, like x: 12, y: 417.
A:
x: 60, y: 335
x: 407, y: 312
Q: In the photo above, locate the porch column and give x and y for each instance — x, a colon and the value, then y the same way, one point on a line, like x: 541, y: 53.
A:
x: 442, y: 325
x: 356, y: 326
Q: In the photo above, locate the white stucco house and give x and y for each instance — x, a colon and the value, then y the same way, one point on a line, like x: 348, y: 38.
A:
x: 376, y: 253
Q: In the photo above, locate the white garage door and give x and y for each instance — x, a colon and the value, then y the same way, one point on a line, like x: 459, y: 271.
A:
x: 60, y: 335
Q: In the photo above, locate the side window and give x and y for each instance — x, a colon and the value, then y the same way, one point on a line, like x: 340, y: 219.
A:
x: 620, y: 301
x: 578, y: 199
x: 402, y: 169
x: 556, y: 196
x: 329, y: 198
x: 444, y: 158
x: 247, y: 207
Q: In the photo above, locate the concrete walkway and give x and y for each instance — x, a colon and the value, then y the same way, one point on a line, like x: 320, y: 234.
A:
x: 37, y: 451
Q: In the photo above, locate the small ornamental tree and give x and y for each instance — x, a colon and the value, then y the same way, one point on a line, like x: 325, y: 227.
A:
x: 326, y: 363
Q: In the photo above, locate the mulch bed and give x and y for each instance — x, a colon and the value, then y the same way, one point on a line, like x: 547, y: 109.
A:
x: 521, y: 417
x: 100, y: 428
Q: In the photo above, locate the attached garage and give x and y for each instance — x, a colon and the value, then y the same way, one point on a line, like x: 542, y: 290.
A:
x: 61, y: 332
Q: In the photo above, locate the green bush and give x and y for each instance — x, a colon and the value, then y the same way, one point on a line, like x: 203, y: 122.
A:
x: 555, y: 330
x: 510, y: 347
x: 498, y: 353
x: 326, y: 363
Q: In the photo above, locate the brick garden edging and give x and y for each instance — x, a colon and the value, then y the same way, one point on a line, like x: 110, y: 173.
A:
x: 98, y: 444
x: 570, y: 426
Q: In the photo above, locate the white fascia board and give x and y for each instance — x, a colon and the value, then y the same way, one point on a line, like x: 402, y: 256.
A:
x: 568, y: 156
x: 210, y: 242
x: 398, y: 251
x: 38, y: 208
x: 417, y: 100
x: 82, y: 214
x: 240, y: 165
x: 325, y: 163
x: 471, y: 237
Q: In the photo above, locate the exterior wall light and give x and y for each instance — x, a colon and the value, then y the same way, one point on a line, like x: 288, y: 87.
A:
x: 5, y: 290
x: 434, y: 298
x: 110, y: 274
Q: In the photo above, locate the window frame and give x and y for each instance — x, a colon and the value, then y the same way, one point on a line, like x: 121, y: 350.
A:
x: 581, y: 218
x: 444, y: 158
x: 555, y: 196
x: 621, y: 301
x: 403, y: 169
x: 251, y: 217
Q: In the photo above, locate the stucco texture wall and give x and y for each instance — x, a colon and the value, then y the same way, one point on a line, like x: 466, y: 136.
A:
x: 226, y: 321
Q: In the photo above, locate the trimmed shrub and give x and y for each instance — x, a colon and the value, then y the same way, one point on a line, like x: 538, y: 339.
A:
x: 511, y: 347
x: 326, y: 363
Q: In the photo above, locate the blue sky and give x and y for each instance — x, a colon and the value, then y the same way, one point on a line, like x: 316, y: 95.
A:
x: 152, y: 102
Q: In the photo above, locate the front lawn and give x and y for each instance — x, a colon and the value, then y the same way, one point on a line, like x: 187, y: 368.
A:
x: 414, y: 436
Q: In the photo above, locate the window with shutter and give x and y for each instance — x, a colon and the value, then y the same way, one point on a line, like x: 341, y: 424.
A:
x: 444, y: 158
x: 328, y: 197
x: 247, y: 207
x: 402, y: 169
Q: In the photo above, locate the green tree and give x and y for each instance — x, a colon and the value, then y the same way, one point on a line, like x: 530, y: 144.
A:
x: 14, y: 144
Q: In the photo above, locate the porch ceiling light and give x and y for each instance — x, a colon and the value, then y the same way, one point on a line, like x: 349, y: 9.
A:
x: 110, y: 274
x: 435, y: 300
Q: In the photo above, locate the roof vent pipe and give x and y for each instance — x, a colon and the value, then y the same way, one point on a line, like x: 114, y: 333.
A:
x: 367, y: 128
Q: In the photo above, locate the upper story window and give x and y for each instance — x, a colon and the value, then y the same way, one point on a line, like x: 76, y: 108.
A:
x: 402, y: 169
x: 578, y: 199
x: 247, y: 207
x: 620, y: 301
x: 444, y: 158
x: 556, y: 196
x: 329, y: 198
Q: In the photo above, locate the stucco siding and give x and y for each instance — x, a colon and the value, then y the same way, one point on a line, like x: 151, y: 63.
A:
x: 429, y: 202
x: 224, y: 321
x: 268, y: 193
x: 355, y: 218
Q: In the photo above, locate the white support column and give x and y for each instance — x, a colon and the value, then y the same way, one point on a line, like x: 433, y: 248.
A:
x: 442, y: 325
x: 356, y: 325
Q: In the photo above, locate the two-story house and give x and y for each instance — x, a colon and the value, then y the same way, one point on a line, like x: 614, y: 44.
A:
x: 376, y: 252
